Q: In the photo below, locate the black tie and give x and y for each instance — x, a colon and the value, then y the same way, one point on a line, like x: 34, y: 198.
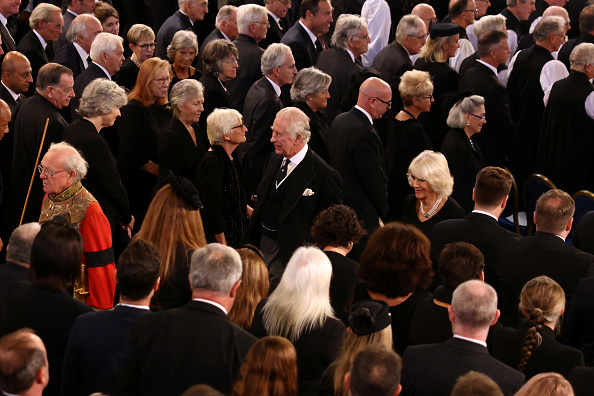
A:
x: 319, y: 47
x: 282, y: 172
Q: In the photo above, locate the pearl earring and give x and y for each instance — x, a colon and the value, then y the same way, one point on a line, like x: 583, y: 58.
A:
x: 467, y: 124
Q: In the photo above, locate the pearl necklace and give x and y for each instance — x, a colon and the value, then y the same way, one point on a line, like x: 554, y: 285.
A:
x: 431, y: 211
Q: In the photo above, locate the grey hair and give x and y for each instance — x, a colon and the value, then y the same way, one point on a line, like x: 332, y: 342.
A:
x: 309, y: 81
x: 72, y: 162
x: 79, y: 25
x: 433, y: 167
x: 347, y: 25
x: 219, y: 124
x: 184, y: 90
x: 546, y: 26
x: 225, y: 14
x: 43, y: 12
x: 139, y: 31
x: 104, y: 42
x: 581, y: 55
x: 182, y: 39
x: 215, y: 268
x: 489, y: 22
x: 409, y: 25
x: 475, y: 304
x: 21, y: 241
x: 274, y: 56
x: 100, y: 97
x: 466, y: 105
x: 248, y: 14
x: 299, y: 123
x: 180, y: 3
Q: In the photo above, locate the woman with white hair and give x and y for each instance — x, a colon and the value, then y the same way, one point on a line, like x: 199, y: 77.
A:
x: 220, y: 182
x: 181, y: 53
x: 183, y: 143
x: 299, y: 309
x: 431, y: 203
x: 465, y: 159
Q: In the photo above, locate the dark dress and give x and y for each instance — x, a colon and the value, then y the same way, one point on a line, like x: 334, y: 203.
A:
x: 450, y: 210
x: 175, y: 79
x: 430, y: 322
x: 316, y: 349
x: 404, y: 142
x: 127, y: 75
x: 465, y: 160
x: 178, y: 152
x: 401, y: 314
x: 319, y: 131
x: 223, y: 195
x: 216, y: 96
x: 139, y: 128
x: 342, y: 285
x: 175, y: 291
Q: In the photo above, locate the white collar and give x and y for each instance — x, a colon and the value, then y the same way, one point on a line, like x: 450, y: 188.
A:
x: 494, y: 69
x: 104, y: 70
x: 43, y: 42
x: 311, y: 35
x: 216, y: 304
x: 275, y: 86
x: 3, y: 20
x: 72, y: 12
x: 365, y: 112
x: 485, y: 213
x: 83, y: 54
x: 11, y: 92
x: 297, y: 158
x: 276, y: 19
x: 224, y: 35
x: 134, y: 306
x: 190, y: 19
x: 483, y: 343
x: 351, y: 54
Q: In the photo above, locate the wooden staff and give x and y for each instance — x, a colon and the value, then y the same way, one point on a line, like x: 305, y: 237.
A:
x: 34, y: 169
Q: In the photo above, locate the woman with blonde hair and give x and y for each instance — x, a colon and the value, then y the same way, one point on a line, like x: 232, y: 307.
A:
x: 174, y: 225
x: 546, y: 384
x: 269, y: 369
x: 533, y: 349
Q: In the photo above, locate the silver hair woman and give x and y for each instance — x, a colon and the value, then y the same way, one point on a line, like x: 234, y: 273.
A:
x: 310, y: 94
x: 99, y: 107
x: 183, y: 143
x: 219, y: 180
x: 299, y: 309
x: 181, y: 53
x: 429, y: 176
x: 465, y: 159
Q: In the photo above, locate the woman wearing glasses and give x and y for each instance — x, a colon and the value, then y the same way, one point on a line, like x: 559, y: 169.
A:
x: 220, y: 59
x: 139, y: 127
x: 142, y: 44
x: 466, y: 118
x: 181, y: 53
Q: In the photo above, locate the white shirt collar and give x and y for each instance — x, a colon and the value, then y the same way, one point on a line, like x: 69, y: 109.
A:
x: 219, y: 306
x: 72, y: 12
x: 3, y: 20
x: 485, y: 213
x: 351, y: 54
x: 104, y: 70
x: 83, y: 54
x: 11, y: 92
x: 135, y: 306
x: 190, y: 19
x: 311, y: 35
x: 560, y: 237
x: 273, y: 16
x: 293, y: 162
x: 483, y: 343
x: 224, y: 35
x: 365, y: 112
x: 275, y: 86
x: 494, y: 69
x: 43, y: 42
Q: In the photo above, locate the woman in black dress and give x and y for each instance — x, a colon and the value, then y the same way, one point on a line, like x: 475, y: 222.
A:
x: 431, y: 203
x: 219, y: 180
x: 441, y: 46
x: 181, y: 53
x: 220, y: 59
x: 142, y: 43
x: 407, y: 137
x: 183, y: 143
x: 465, y: 158
x: 310, y: 94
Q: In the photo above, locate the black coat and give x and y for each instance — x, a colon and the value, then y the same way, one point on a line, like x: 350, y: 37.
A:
x: 342, y: 285
x: 319, y: 131
x: 31, y: 47
x: 392, y: 62
x: 578, y: 329
x: 178, y: 152
x: 304, y: 50
x: 169, y: 351
x: 10, y: 274
x: 127, y: 75
x: 248, y: 72
x: 566, y: 49
x: 68, y: 56
x: 90, y: 74
x: 274, y: 34
x: 217, y: 97
x: 450, y: 210
x: 174, y: 23
x: 512, y: 22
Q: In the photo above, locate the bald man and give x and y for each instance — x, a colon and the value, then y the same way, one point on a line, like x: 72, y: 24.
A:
x: 356, y: 152
x: 426, y: 13
x: 16, y: 78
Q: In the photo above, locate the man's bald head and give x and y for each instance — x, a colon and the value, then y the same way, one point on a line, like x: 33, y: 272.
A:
x: 375, y: 97
x: 560, y: 12
x: 425, y: 12
x: 16, y: 72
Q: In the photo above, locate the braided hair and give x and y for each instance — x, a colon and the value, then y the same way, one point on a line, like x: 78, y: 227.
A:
x: 542, y: 301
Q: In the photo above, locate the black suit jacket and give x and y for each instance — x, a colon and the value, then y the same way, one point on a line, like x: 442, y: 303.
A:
x: 274, y: 35
x: 8, y: 43
x: 90, y: 74
x: 10, y: 274
x: 96, y: 350
x: 214, y: 35
x: 218, y: 97
x: 566, y: 49
x: 249, y: 70
x: 169, y: 351
x: 540, y: 254
x: 31, y: 47
x: 174, y: 23
x: 583, y: 234
x: 434, y: 368
x: 304, y: 50
x: 68, y: 56
x: 392, y: 62
x: 579, y: 327
x: 298, y: 211
x: 512, y: 22
x: 356, y: 152
x: 7, y: 97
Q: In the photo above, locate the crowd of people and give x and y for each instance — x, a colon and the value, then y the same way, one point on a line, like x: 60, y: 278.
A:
x: 294, y: 197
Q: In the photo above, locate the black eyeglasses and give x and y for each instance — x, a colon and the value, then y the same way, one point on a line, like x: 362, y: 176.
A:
x: 475, y: 10
x: 237, y: 126
x: 389, y: 104
x: 144, y: 47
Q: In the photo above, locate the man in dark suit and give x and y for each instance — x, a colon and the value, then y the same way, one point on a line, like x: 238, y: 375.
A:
x: 517, y: 11
x: 8, y: 8
x: 544, y: 253
x: 305, y: 37
x: 277, y: 11
x: 296, y: 185
x: 46, y: 22
x: 497, y: 139
x: 98, y: 340
x: 171, y: 350
x: 226, y: 26
x: 75, y: 8
x: 434, y: 368
x: 75, y: 54
x: 356, y: 152
x: 480, y: 227
x: 190, y: 11
x: 252, y: 24
x: 262, y: 102
x: 586, y: 35
x: 16, y: 78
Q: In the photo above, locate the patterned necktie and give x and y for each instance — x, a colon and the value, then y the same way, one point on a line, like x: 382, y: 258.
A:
x: 282, y: 172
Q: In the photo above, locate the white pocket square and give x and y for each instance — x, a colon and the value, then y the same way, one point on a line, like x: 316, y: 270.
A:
x: 308, y: 192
